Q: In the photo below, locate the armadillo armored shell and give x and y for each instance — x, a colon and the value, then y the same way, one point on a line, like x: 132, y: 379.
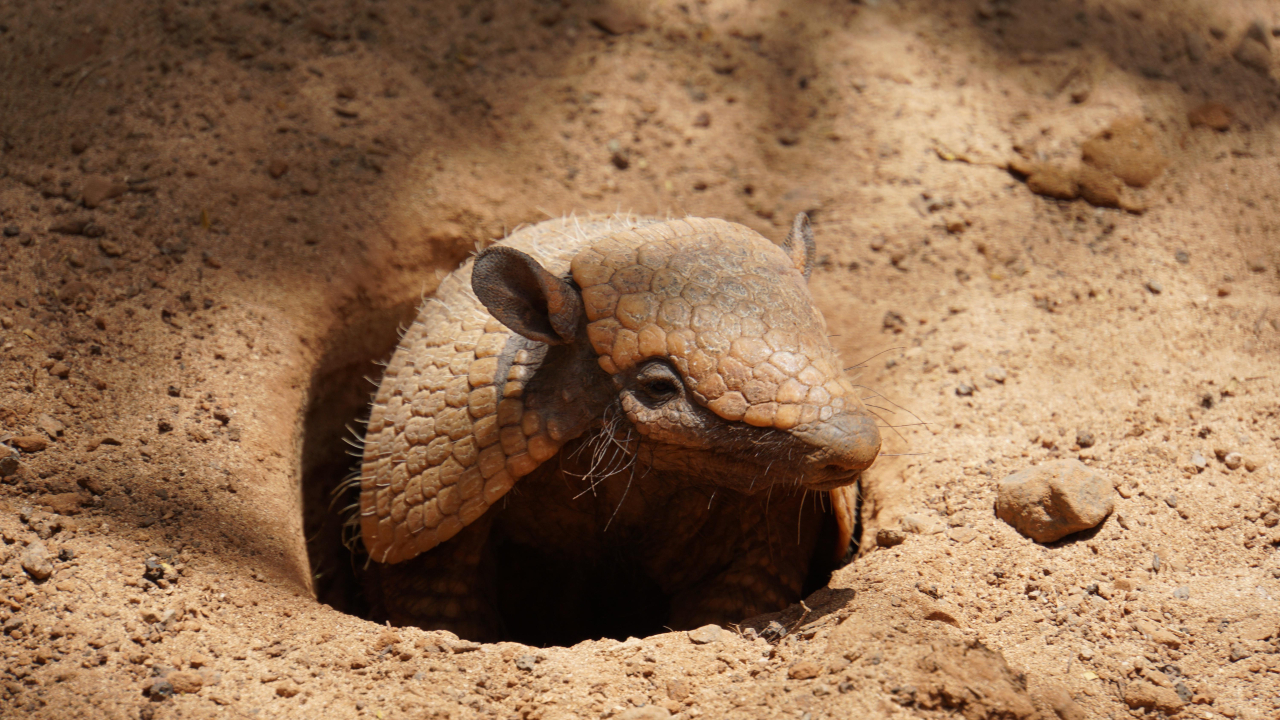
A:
x: 449, y: 434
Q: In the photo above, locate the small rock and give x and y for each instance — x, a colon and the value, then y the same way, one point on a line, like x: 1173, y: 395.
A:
x: 996, y: 373
x: 962, y: 534
x: 109, y: 248
x: 1239, y: 652
x: 288, y: 689
x: 648, y: 712
x: 1052, y: 182
x: 30, y: 443
x: 185, y: 681
x: 677, y: 689
x: 1171, y: 500
x: 37, y: 562
x: 1198, y: 461
x: 1157, y: 633
x: 1084, y: 438
x: 705, y: 634
x: 160, y: 689
x: 921, y: 524
x: 964, y: 390
x: 8, y: 465
x: 887, y: 538
x: 1053, y: 500
x: 1100, y: 188
x: 51, y: 426
x: 1128, y: 150
x: 1253, y: 54
x: 1213, y: 115
x: 526, y: 662
x: 1233, y: 460
x: 277, y: 167
x: 804, y: 670
x: 98, y: 190
x: 60, y: 369
x: 1141, y: 694
x: 617, y: 19
x: 1182, y: 593
x: 1154, y: 287
x: 65, y: 503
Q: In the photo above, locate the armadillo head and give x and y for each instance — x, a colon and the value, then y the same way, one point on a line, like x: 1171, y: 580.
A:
x: 717, y: 357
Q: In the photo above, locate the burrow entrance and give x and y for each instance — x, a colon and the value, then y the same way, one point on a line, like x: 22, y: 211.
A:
x: 543, y: 600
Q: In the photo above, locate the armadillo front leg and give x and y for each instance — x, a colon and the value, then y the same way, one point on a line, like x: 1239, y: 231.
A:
x: 449, y: 588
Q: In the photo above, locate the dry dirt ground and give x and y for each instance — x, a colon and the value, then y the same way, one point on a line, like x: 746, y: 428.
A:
x: 215, y: 214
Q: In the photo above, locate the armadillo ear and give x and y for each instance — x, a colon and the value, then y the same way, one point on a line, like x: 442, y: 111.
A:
x: 522, y: 295
x: 799, y: 245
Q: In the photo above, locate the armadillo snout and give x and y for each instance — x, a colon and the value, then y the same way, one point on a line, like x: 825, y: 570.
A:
x: 843, y: 447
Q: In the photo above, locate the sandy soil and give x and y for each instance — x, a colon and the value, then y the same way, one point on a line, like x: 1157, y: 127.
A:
x: 215, y: 215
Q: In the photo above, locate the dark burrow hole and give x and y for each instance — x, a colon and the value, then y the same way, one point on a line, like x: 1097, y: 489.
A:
x: 543, y: 600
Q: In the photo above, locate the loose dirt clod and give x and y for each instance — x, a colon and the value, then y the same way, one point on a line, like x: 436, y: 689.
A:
x: 1053, y: 500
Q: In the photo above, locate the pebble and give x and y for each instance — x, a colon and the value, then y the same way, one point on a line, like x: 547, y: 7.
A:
x: 98, y: 190
x: 8, y: 466
x: 1198, y: 461
x: 1182, y: 593
x: 1084, y: 438
x: 12, y: 231
x: 648, y: 712
x: 1157, y: 633
x: 705, y: 634
x: 962, y: 534
x: 677, y: 689
x: 36, y: 561
x: 964, y: 390
x: 185, y: 681
x: 1144, y: 695
x: 996, y: 373
x: 1128, y: 150
x: 526, y: 662
x: 1253, y: 53
x: 1052, y: 500
x: 288, y: 689
x: 1213, y: 115
x: 887, y: 537
x: 1233, y: 460
x: 921, y: 524
x: 160, y: 689
x: 30, y: 443
x: 277, y: 167
x: 1154, y: 287
x: 804, y: 670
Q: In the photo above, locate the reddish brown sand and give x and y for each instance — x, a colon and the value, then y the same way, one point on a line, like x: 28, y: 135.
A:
x: 215, y: 214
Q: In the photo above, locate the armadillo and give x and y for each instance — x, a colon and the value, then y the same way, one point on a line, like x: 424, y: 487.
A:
x: 640, y: 397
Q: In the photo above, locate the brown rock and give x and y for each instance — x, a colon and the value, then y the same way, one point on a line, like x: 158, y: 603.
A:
x: 277, y: 167
x: 677, y: 689
x: 705, y: 634
x: 1157, y: 633
x: 288, y: 689
x: 962, y: 534
x: 1099, y: 188
x: 804, y: 670
x: 888, y: 537
x: 36, y: 561
x: 1253, y: 54
x: 30, y: 443
x: 1128, y: 150
x: 1213, y: 115
x: 1141, y: 694
x: 1052, y: 182
x: 65, y: 503
x: 648, y: 712
x: 98, y: 190
x: 186, y: 681
x: 1053, y: 500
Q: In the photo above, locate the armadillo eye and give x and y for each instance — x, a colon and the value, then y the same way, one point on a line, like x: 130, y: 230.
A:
x: 660, y: 389
x: 658, y: 381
